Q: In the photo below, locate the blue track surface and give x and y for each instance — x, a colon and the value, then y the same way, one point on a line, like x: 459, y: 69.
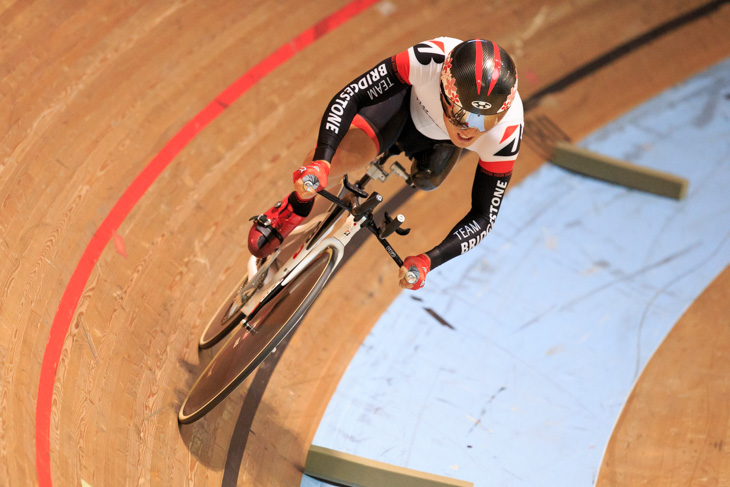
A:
x: 512, y: 365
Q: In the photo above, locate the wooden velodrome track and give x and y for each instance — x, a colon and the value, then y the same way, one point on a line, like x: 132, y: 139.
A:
x: 103, y: 292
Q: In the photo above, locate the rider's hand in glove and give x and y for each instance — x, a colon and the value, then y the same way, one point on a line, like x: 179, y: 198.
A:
x: 316, y: 173
x: 422, y: 264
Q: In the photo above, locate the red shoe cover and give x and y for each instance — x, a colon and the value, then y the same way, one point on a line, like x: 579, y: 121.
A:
x: 270, y: 229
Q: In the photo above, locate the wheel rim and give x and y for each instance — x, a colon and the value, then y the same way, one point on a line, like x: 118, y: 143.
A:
x: 245, y: 350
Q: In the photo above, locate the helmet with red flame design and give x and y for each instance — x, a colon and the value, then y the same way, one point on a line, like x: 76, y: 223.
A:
x: 478, y: 79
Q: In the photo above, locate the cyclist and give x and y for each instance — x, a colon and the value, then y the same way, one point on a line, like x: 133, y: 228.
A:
x: 429, y: 102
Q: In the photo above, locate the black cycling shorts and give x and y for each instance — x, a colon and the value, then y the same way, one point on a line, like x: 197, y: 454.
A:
x: 389, y: 123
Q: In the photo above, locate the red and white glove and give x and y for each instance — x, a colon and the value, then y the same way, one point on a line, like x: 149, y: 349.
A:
x: 315, y: 174
x: 419, y: 265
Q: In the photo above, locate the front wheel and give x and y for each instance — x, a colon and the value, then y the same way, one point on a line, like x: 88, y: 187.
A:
x: 227, y: 317
x: 254, y: 341
x: 230, y: 313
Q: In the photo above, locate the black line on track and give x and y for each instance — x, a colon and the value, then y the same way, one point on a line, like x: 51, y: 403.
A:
x: 261, y: 379
x: 622, y: 50
x: 248, y: 411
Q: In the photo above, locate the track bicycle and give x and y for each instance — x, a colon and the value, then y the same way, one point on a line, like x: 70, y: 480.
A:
x: 278, y: 291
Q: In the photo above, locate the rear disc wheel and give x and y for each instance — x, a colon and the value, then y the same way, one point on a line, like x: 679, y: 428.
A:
x: 253, y: 342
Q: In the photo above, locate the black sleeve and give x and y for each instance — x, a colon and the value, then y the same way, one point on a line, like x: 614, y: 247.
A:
x: 374, y: 86
x: 486, y: 198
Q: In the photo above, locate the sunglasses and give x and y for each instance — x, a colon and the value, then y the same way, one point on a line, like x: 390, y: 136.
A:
x: 454, y: 113
x: 458, y: 116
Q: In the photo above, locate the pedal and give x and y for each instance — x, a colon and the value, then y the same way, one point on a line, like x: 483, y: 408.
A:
x: 265, y: 227
x: 262, y: 220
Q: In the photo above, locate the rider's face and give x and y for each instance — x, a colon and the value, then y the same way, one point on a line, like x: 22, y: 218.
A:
x: 461, y: 137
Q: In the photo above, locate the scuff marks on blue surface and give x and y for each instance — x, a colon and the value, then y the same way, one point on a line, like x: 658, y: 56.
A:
x: 439, y: 319
x: 553, y: 316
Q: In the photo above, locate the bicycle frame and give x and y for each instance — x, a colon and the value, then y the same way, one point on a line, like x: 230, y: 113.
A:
x: 271, y: 308
x: 316, y: 241
x: 303, y: 257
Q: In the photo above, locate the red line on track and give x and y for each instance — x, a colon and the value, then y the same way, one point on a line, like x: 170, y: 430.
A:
x: 135, y: 191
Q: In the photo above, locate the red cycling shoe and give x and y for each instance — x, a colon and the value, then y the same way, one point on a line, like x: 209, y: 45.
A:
x: 270, y: 229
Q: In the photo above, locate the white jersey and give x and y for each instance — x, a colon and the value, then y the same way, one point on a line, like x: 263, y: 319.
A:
x: 420, y: 66
x: 419, y: 69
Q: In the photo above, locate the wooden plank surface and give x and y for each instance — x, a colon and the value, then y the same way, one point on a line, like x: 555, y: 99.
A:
x: 92, y: 91
x: 675, y: 426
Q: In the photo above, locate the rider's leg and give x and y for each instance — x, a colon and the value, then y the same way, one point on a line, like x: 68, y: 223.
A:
x: 431, y: 166
x: 355, y: 152
x: 269, y: 230
x: 374, y: 129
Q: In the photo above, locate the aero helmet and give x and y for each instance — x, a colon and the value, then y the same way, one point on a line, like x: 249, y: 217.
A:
x: 478, y: 78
